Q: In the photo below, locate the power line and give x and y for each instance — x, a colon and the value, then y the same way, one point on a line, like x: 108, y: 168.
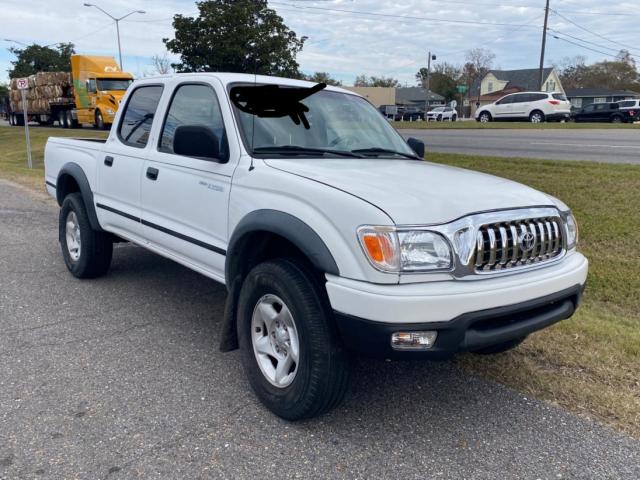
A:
x: 582, y: 46
x: 590, y: 43
x: 591, y: 31
x: 401, y: 17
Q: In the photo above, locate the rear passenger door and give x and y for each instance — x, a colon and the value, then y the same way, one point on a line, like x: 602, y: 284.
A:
x: 117, y: 194
x: 521, y: 104
x: 186, y: 179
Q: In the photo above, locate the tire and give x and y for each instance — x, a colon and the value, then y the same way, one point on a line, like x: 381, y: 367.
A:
x: 439, y: 119
x: 500, y: 347
x: 485, y: 117
x: 536, y: 117
x: 12, y: 120
x: 92, y: 257
x: 454, y: 118
x: 62, y: 119
x: 99, y: 123
x: 616, y: 119
x: 70, y: 121
x: 316, y: 379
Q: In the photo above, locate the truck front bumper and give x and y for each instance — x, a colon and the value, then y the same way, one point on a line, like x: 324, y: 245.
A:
x: 466, y: 315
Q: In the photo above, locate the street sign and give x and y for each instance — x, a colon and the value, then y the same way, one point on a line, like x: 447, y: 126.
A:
x: 462, y: 88
x: 23, y: 86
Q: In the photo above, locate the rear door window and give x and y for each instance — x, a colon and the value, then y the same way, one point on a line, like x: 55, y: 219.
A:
x: 626, y: 104
x: 534, y: 97
x: 137, y: 118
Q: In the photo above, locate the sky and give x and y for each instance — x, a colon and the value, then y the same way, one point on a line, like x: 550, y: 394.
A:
x: 348, y: 37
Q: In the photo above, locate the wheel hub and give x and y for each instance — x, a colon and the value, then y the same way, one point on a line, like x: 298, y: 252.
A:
x: 72, y: 236
x: 275, y: 340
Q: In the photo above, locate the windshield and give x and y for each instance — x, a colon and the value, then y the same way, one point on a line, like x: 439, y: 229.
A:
x: 113, y: 83
x: 337, y: 122
x: 439, y: 109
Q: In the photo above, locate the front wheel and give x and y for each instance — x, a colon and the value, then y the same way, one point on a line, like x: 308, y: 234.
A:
x: 289, y: 345
x: 87, y: 253
x: 99, y: 123
x: 616, y: 119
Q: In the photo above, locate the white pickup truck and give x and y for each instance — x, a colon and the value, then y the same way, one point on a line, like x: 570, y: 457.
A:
x: 330, y: 231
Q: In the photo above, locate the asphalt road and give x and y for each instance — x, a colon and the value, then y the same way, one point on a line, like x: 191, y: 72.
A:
x: 599, y: 145
x: 120, y: 377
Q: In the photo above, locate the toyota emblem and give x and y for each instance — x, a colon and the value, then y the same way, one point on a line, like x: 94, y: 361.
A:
x: 527, y: 241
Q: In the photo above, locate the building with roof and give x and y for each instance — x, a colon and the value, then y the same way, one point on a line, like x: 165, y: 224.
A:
x: 581, y: 97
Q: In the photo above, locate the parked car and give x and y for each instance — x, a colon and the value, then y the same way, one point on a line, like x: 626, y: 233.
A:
x: 330, y: 231
x: 633, y: 106
x: 535, y: 107
x: 606, y: 112
x: 409, y: 114
x: 440, y: 114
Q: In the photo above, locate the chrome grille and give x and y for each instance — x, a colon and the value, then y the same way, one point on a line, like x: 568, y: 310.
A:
x: 509, y: 244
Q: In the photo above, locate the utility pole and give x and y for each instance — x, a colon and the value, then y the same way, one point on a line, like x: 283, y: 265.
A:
x: 428, y: 83
x: 544, y: 45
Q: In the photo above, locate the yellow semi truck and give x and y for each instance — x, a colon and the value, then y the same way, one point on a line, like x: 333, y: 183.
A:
x: 91, y: 94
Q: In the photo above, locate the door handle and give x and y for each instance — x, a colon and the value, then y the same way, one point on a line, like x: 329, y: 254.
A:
x: 108, y: 161
x: 152, y: 173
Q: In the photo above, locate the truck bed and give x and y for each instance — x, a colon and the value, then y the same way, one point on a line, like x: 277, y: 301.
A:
x: 62, y: 150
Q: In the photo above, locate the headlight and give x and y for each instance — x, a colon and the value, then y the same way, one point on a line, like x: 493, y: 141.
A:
x: 390, y: 250
x: 571, y: 228
x: 110, y: 111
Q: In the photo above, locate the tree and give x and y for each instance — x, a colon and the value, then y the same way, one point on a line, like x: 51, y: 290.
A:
x: 36, y: 58
x: 443, y: 80
x: 235, y: 36
x: 161, y: 64
x: 619, y: 74
x: 373, y: 81
x: 323, y: 77
x: 479, y: 62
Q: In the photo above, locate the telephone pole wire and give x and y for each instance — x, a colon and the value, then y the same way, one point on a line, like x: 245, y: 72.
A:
x: 544, y: 44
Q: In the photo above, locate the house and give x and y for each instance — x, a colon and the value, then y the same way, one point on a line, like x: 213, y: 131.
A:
x: 498, y: 83
x: 418, y: 97
x: 581, y: 97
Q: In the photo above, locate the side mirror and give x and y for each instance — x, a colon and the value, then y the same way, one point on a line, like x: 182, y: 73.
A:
x: 196, y: 141
x: 417, y: 146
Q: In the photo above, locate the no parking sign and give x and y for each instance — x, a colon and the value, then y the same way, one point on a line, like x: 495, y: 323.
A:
x: 23, y: 86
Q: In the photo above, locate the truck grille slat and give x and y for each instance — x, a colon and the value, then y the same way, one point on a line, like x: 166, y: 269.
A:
x: 509, y: 244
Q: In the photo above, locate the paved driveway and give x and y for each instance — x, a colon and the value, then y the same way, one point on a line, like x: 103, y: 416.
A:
x: 121, y: 378
x: 599, y: 145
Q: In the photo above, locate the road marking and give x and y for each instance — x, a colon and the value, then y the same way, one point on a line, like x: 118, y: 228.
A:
x: 583, y: 145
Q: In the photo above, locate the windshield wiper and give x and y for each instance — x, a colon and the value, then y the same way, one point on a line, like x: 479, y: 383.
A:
x: 297, y: 150
x: 381, y: 151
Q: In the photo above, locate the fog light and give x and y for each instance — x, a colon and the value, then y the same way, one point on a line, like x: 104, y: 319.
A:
x: 413, y: 340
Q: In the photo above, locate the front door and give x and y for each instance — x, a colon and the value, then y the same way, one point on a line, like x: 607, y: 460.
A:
x: 117, y: 195
x: 186, y: 178
x: 503, y: 107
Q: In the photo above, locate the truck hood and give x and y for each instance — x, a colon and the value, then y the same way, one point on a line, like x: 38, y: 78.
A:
x: 413, y: 192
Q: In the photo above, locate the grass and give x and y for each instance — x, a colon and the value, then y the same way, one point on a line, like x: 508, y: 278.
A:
x: 472, y: 124
x: 13, y: 152
x: 588, y: 364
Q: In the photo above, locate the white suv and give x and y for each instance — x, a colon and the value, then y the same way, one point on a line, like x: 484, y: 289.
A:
x: 442, y: 113
x: 535, y: 107
x: 629, y: 104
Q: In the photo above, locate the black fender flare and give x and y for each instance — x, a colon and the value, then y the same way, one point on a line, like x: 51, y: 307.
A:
x: 73, y: 170
x: 279, y: 223
x: 286, y: 226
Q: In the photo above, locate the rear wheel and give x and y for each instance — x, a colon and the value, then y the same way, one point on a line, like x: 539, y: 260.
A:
x: 536, y: 117
x: 289, y: 345
x: 454, y: 118
x: 62, y: 119
x: 86, y: 252
x: 616, y: 119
